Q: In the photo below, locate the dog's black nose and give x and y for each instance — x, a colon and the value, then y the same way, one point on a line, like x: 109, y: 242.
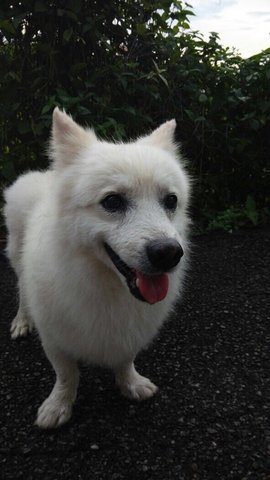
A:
x: 164, y: 254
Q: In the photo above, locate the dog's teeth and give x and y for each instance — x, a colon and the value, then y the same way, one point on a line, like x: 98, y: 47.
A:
x: 137, y: 282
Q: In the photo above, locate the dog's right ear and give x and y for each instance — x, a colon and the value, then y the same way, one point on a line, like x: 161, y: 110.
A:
x: 162, y: 137
x: 68, y: 139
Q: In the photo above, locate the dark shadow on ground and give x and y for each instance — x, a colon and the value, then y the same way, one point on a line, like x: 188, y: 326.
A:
x: 210, y: 419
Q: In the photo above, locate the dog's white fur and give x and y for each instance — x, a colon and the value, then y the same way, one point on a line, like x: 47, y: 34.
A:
x: 69, y: 288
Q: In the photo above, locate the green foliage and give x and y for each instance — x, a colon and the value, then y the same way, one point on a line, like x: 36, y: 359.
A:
x: 234, y: 217
x: 123, y: 67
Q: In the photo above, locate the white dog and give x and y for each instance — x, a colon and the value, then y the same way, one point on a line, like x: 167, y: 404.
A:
x: 97, y: 243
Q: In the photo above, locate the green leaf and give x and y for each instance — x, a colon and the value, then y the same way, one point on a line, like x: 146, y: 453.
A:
x: 189, y: 113
x: 186, y: 25
x: 251, y: 210
x: 68, y: 34
x: 14, y: 76
x: 201, y: 118
x: 46, y: 109
x: 131, y: 110
x: 250, y: 203
x: 140, y: 28
x: 255, y: 124
x: 7, y: 26
x: 202, y: 98
x: 163, y: 80
x: 17, y: 20
x: 87, y: 27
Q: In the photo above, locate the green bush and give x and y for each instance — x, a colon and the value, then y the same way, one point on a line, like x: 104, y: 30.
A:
x: 123, y: 67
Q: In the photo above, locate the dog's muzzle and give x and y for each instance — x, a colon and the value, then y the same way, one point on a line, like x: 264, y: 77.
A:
x: 163, y: 256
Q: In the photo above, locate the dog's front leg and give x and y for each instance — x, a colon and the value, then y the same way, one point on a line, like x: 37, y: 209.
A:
x: 132, y: 384
x: 57, y: 408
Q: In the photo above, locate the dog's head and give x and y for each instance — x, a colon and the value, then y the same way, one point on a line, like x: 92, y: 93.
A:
x: 126, y: 203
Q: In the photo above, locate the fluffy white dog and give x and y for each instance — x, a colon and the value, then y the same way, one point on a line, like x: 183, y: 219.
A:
x: 99, y: 245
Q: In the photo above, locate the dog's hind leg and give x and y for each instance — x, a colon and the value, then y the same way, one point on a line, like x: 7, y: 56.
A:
x: 21, y: 197
x: 57, y: 408
x: 132, y: 384
x: 21, y: 324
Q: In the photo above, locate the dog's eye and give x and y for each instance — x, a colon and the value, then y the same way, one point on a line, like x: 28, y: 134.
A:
x: 170, y: 201
x: 114, y: 203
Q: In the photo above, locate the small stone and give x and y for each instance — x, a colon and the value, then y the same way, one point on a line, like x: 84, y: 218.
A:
x: 211, y: 430
x: 94, y: 447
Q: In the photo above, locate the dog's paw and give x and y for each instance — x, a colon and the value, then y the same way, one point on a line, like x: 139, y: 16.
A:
x: 20, y: 327
x: 53, y: 414
x: 140, y: 389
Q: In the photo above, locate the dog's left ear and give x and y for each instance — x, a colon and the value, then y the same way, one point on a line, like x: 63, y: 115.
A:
x: 68, y: 138
x: 162, y: 137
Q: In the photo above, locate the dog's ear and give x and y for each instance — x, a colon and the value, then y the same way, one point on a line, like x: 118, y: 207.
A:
x: 67, y: 138
x: 162, y: 137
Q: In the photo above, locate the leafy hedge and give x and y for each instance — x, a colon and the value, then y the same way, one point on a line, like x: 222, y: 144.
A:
x: 123, y: 67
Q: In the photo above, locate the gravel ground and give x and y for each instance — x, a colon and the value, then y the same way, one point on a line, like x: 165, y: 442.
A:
x: 210, y: 419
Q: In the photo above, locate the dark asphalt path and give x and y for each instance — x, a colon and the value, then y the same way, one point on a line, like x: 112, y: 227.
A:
x: 211, y: 417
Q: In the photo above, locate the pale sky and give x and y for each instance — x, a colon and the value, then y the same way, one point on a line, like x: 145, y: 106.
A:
x: 243, y: 24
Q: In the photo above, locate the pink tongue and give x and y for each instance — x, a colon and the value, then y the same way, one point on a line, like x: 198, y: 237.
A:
x: 153, y: 288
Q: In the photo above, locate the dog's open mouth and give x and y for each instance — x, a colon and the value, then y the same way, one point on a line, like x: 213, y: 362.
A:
x: 148, y: 288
